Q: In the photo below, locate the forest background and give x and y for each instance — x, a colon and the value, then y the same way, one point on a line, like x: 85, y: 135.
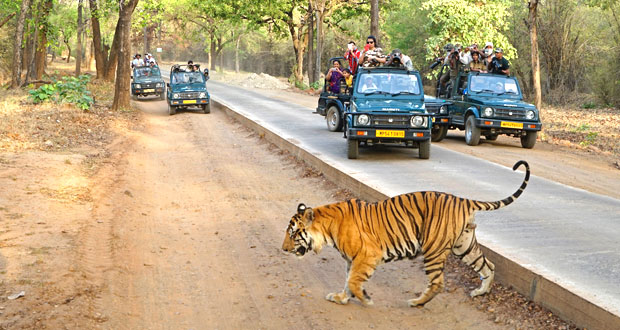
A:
x: 578, y: 40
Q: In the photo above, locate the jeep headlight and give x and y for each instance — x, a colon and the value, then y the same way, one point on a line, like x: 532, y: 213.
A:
x: 160, y: 84
x: 202, y: 95
x: 443, y: 110
x: 137, y: 86
x: 417, y: 121
x: 175, y: 95
x: 530, y: 114
x: 363, y: 120
x: 488, y: 112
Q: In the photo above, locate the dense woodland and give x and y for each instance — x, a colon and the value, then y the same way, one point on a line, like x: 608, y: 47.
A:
x: 578, y: 41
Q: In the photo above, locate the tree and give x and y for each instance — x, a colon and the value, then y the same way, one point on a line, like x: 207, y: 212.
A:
x: 123, y: 29
x: 533, y: 9
x: 17, y: 47
x: 41, y: 42
x: 78, y: 48
x: 374, y: 19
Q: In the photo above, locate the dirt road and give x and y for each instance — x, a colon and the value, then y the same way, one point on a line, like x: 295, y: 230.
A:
x: 182, y: 228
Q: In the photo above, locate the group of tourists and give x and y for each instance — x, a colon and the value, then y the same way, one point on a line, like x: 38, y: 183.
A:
x: 371, y: 56
x: 488, y: 60
x: 148, y: 60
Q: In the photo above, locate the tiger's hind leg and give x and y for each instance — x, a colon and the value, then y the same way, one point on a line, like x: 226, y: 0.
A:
x: 434, y: 266
x: 467, y: 249
x: 343, y: 296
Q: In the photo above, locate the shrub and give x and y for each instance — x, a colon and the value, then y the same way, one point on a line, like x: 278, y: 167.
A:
x: 68, y: 90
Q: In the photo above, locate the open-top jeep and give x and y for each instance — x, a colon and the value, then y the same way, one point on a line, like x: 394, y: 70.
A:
x: 187, y: 89
x: 489, y: 105
x: 387, y: 107
x: 147, y: 81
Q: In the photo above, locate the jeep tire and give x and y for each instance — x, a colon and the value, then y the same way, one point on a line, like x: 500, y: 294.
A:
x: 472, y: 133
x: 206, y: 108
x: 529, y: 139
x: 439, y: 132
x: 333, y: 119
x: 162, y: 96
x: 352, y: 148
x: 172, y: 110
x: 424, y: 150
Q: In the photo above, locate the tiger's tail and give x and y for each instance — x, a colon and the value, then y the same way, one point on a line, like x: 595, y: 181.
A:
x: 490, y: 206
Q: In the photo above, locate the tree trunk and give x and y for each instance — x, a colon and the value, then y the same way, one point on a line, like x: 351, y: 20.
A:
x: 110, y: 69
x: 533, y: 7
x: 212, y: 53
x: 374, y: 19
x: 41, y: 50
x: 69, y: 48
x: 78, y: 47
x: 17, y: 48
x: 310, y: 44
x: 100, y: 54
x: 121, y: 88
x: 31, y: 50
x: 319, y: 48
x: 237, y: 52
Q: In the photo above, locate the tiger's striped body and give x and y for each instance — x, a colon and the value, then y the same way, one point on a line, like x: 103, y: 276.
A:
x: 430, y: 223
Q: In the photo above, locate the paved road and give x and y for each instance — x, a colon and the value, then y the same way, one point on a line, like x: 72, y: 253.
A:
x: 565, y: 234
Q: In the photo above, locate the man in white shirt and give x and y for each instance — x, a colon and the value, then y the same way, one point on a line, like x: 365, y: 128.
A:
x: 137, y: 61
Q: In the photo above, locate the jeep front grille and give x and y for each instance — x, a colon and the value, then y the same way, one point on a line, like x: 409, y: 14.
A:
x: 149, y: 85
x: 510, y: 113
x: 189, y: 95
x: 391, y: 121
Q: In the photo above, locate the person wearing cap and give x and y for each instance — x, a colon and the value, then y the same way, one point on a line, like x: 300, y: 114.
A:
x: 453, y: 61
x: 397, y: 59
x: 499, y: 64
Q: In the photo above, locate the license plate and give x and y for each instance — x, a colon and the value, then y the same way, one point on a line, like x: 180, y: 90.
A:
x: 509, y: 124
x: 433, y: 119
x: 149, y: 90
x: 189, y: 101
x: 391, y: 134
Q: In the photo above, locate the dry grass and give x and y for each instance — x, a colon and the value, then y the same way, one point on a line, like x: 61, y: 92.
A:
x: 57, y: 127
x: 592, y: 129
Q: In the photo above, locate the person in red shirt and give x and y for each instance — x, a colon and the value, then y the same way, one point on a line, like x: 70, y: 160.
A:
x: 353, y: 56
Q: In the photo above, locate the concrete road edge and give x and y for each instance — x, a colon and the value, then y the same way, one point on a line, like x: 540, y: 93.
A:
x: 559, y: 300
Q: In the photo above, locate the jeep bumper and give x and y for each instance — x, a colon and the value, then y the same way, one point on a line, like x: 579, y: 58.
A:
x: 507, y: 125
x: 441, y: 120
x: 189, y: 102
x: 388, y: 135
x: 148, y: 91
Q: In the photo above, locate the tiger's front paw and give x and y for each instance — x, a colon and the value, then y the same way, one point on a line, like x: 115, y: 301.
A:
x: 339, y: 298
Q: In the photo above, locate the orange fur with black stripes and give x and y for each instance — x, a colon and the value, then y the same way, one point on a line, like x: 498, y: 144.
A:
x: 430, y: 223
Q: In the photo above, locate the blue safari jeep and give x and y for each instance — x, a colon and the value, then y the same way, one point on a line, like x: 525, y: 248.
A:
x: 188, y: 89
x: 489, y: 105
x: 147, y: 81
x: 387, y: 107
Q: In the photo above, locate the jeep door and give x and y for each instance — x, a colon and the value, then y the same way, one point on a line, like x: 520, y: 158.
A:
x: 459, y: 100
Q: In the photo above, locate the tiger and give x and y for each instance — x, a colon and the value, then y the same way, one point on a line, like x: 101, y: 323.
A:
x: 430, y: 223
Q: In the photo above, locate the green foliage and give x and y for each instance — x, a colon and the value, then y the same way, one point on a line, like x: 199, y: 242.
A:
x: 588, y: 105
x: 467, y: 22
x: 582, y: 128
x: 589, y: 139
x: 69, y: 90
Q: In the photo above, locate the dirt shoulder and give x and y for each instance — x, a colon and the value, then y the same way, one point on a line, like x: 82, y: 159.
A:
x: 559, y: 156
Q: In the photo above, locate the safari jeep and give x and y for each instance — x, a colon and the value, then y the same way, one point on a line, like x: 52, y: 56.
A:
x: 147, y: 81
x: 438, y: 108
x: 188, y: 89
x: 387, y: 107
x: 489, y: 105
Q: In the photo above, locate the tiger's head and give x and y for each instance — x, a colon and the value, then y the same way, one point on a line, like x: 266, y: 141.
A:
x: 297, y: 239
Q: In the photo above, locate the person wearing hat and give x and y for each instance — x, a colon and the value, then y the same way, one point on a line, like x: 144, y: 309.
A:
x: 499, y: 64
x: 137, y: 61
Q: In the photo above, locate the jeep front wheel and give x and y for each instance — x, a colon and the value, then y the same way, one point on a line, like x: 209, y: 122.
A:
x: 162, y: 96
x: 424, y: 151
x: 472, y: 133
x: 352, y: 148
x: 334, y: 120
x: 172, y: 110
x: 206, y: 108
x: 439, y: 132
x: 529, y: 139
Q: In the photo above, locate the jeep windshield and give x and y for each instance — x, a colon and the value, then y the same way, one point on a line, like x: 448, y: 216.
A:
x: 388, y: 84
x: 497, y: 85
x: 188, y: 78
x: 147, y: 72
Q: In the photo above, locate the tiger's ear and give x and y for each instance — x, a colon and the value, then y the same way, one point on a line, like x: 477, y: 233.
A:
x: 301, y: 208
x: 309, y: 215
